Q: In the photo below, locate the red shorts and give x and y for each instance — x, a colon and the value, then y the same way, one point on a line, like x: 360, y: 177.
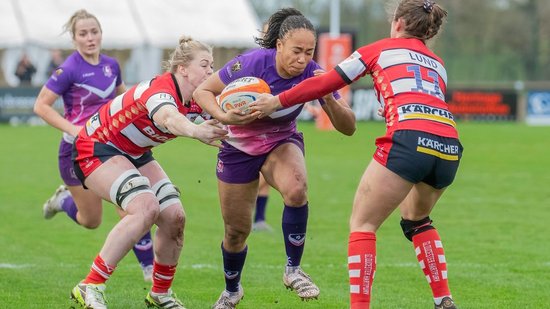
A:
x: 420, y: 157
x: 88, y: 155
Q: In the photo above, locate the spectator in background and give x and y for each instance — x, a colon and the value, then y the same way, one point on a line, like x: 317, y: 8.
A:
x: 25, y: 70
x: 55, y: 62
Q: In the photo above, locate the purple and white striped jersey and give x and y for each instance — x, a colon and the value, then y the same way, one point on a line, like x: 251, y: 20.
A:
x: 84, y: 87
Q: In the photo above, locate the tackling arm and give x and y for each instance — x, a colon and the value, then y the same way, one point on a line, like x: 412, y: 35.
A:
x: 312, y: 88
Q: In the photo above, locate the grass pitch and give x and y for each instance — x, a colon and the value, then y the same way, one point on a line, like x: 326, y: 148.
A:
x: 493, y: 221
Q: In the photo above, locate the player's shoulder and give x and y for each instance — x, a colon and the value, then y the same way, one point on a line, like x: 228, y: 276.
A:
x: 68, y: 69
x: 107, y: 59
x: 164, y: 83
x: 252, y: 63
x: 110, y: 62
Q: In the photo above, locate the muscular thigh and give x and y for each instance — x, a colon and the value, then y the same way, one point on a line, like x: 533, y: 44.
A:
x: 102, y: 178
x: 379, y: 193
x: 153, y: 171
x: 285, y: 170
x: 165, y: 191
x: 89, y: 204
x: 237, y: 203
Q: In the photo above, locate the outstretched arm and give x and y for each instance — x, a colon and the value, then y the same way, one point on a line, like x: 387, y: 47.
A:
x: 207, y: 132
x: 307, y: 90
x: 312, y: 88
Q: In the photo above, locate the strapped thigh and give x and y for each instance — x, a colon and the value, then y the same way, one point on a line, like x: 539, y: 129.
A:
x: 127, y: 186
x: 167, y: 193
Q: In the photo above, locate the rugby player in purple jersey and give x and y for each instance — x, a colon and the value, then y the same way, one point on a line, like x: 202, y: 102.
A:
x: 86, y: 80
x: 272, y: 146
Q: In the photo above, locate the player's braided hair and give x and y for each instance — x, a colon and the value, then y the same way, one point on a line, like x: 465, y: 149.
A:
x: 280, y: 24
x: 423, y: 18
x: 184, y: 53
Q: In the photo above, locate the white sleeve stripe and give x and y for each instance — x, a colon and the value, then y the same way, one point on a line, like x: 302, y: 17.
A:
x: 352, y: 67
x: 343, y: 75
x: 158, y: 107
x: 157, y: 99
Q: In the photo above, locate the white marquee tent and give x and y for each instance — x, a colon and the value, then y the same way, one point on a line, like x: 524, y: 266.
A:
x: 144, y: 26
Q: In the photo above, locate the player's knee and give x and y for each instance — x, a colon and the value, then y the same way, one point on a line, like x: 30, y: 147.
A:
x: 150, y: 212
x: 236, y: 235
x: 411, y: 228
x: 296, y: 195
x: 127, y: 186
x: 90, y: 223
x: 167, y: 193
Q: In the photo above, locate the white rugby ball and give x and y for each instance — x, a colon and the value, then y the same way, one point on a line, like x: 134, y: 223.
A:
x: 241, y: 92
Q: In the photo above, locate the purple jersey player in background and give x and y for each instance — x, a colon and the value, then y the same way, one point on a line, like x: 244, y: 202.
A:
x: 271, y: 145
x: 86, y: 81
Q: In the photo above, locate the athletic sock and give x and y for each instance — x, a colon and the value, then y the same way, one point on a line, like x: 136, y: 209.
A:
x: 69, y: 207
x: 431, y: 257
x: 143, y: 250
x: 163, y: 275
x: 362, y: 267
x: 99, y: 272
x: 261, y: 203
x: 294, y: 231
x: 233, y: 264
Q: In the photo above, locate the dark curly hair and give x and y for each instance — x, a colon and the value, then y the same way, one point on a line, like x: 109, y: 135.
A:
x: 280, y: 24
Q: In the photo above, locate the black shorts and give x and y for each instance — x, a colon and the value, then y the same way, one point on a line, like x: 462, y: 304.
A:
x: 420, y: 157
x: 88, y: 155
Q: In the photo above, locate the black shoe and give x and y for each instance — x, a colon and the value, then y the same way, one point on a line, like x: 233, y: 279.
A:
x: 446, y: 303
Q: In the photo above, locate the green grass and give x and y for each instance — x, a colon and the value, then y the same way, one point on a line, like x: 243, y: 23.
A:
x: 494, y: 221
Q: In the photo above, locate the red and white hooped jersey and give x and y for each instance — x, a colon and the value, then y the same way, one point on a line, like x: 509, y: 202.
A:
x: 126, y: 122
x: 410, y: 83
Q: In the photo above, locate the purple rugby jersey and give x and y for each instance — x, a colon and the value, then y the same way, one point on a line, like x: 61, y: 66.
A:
x: 262, y: 135
x: 84, y: 87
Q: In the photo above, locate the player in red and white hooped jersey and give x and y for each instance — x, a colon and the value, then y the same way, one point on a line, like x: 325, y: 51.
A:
x: 127, y: 122
x: 112, y: 157
x: 415, y: 160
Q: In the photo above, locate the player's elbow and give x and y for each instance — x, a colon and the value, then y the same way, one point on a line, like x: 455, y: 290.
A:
x: 347, y: 127
x: 349, y: 131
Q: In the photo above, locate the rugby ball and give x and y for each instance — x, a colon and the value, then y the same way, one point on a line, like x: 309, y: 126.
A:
x: 241, y: 92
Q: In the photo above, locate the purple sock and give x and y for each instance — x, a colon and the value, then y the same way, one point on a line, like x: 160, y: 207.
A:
x: 143, y: 250
x: 69, y: 207
x: 261, y: 202
x: 233, y: 264
x: 294, y: 231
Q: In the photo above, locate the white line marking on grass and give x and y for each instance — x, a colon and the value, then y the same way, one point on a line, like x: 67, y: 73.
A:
x: 15, y: 266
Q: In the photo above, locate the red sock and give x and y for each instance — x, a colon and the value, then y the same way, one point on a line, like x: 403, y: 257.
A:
x: 100, y: 272
x: 361, y: 266
x: 430, y: 255
x: 162, y: 277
